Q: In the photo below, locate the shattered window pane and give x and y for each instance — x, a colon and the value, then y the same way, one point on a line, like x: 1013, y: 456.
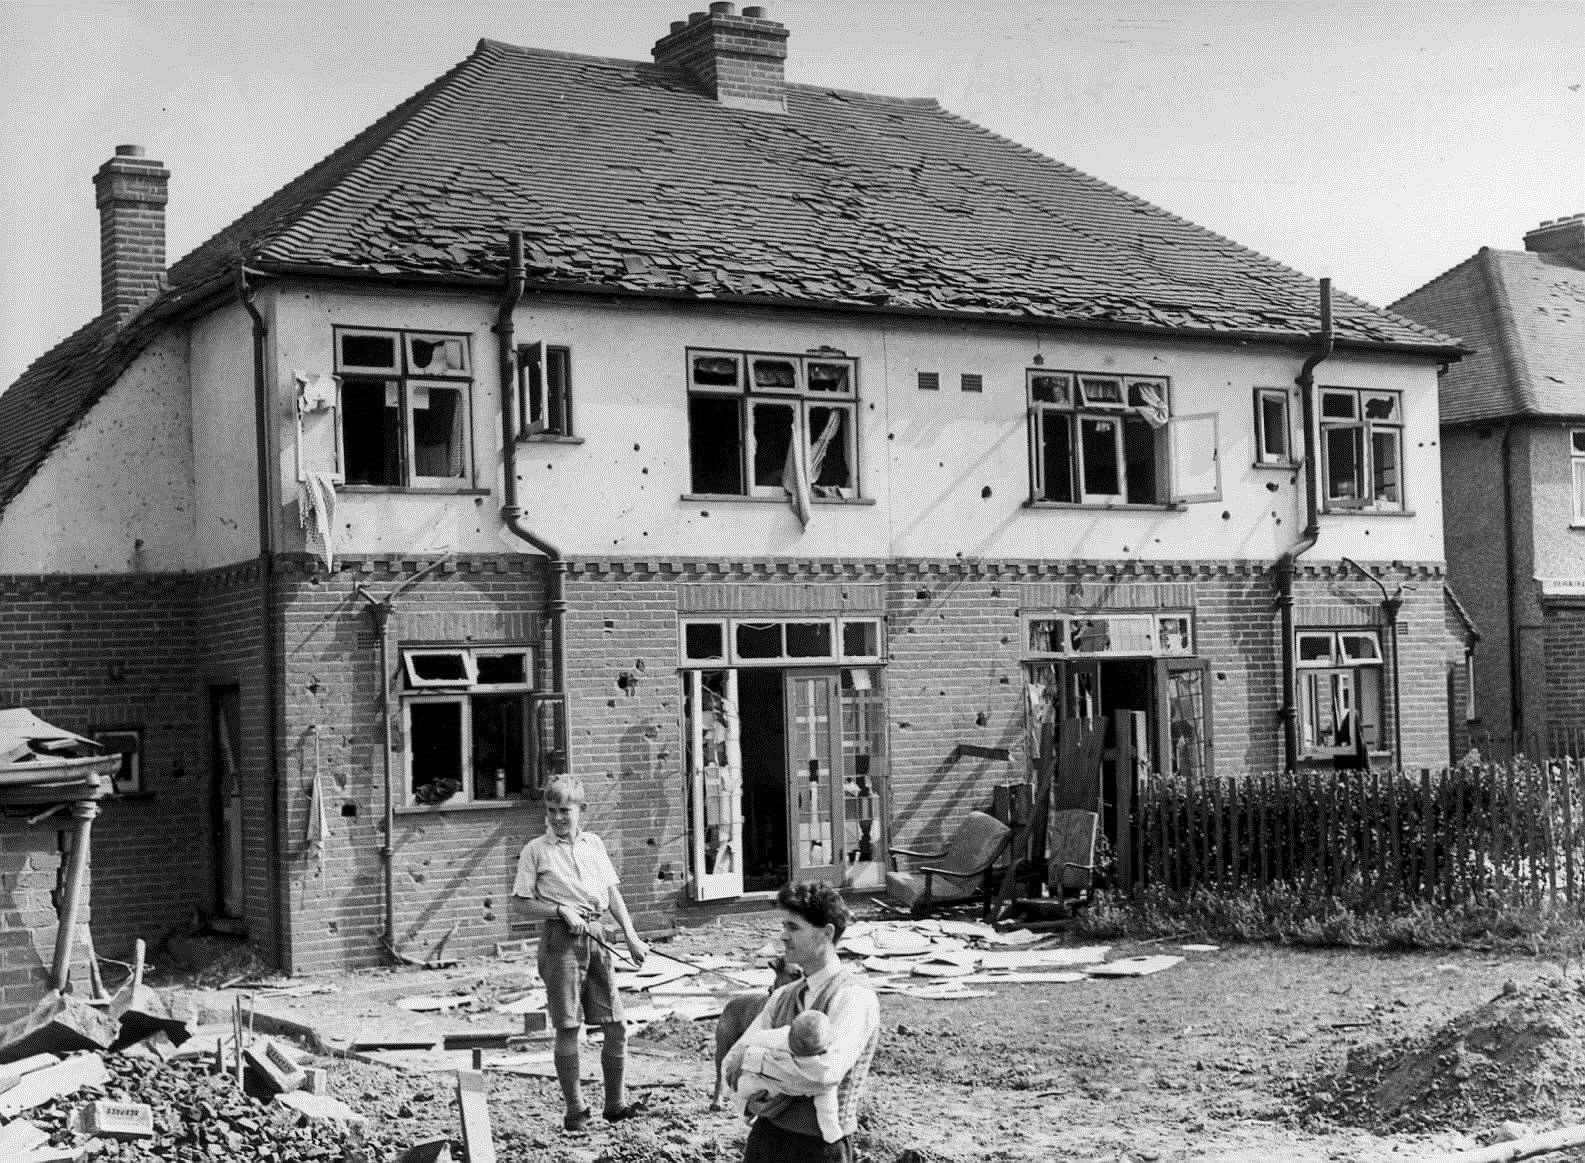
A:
x: 1056, y: 448
x: 371, y: 431
x: 1139, y: 456
x: 773, y: 428
x: 502, y: 669
x: 829, y: 377
x: 1098, y: 443
x: 1050, y: 388
x: 435, y: 747
x: 438, y: 667
x: 776, y: 373
x: 808, y: 640
x: 439, y: 432
x: 1315, y: 648
x: 715, y: 444
x: 1338, y: 405
x: 861, y: 639
x: 829, y: 465
x: 715, y: 371
x: 1381, y: 407
x: 758, y: 639
x: 437, y: 355
x: 500, y: 736
x: 369, y: 352
x: 1101, y: 390
x: 1046, y: 636
x: 704, y: 640
x: 1344, y: 460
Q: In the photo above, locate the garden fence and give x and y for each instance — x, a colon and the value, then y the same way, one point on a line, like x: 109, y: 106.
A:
x: 1504, y: 835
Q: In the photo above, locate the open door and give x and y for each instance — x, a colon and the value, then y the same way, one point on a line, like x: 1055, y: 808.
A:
x: 813, y: 738
x: 225, y: 805
x: 715, y: 784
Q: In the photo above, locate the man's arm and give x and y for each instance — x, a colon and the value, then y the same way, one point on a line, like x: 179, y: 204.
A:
x: 732, y: 1064
x: 854, y: 1015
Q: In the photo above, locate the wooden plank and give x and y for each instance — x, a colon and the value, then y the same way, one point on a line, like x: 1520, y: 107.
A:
x: 1395, y: 786
x: 472, y: 1098
x: 1566, y: 798
x: 1549, y: 832
x: 1428, y: 825
x: 1219, y: 807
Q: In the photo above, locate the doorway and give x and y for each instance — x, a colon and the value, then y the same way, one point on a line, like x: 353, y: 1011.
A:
x: 225, y: 807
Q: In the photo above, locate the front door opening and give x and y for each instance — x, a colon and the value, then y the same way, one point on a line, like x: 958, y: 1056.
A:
x: 225, y: 806
x: 787, y: 778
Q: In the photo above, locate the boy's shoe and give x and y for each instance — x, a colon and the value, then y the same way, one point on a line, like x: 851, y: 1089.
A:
x: 628, y: 1110
x: 578, y: 1121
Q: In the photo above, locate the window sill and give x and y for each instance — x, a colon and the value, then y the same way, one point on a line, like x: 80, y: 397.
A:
x: 1277, y: 465
x: 1368, y: 512
x: 736, y: 499
x: 508, y: 804
x: 1171, y: 507
x: 548, y: 438
x: 367, y: 490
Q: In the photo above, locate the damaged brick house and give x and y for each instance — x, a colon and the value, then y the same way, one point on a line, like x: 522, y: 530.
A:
x: 772, y: 456
x: 1513, y: 427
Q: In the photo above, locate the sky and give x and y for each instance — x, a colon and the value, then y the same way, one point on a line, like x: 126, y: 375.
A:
x: 1379, y: 142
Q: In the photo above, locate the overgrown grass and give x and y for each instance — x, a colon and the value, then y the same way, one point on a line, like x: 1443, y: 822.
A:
x: 1283, y: 916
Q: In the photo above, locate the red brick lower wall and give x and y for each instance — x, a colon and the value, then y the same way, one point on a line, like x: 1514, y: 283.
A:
x: 30, y: 872
x: 88, y: 653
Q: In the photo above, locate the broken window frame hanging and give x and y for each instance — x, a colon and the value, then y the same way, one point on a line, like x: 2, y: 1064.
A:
x: 487, y: 684
x: 1354, y: 443
x: 389, y: 450
x: 785, y: 405
x: 1086, y: 434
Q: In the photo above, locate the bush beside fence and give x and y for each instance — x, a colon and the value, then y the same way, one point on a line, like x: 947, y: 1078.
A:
x: 1502, y: 835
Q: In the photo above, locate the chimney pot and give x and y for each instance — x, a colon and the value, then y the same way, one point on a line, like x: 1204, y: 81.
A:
x: 755, y: 12
x: 698, y: 17
x: 739, y: 62
x: 129, y: 151
x: 678, y: 25
x: 1563, y: 237
x: 722, y: 8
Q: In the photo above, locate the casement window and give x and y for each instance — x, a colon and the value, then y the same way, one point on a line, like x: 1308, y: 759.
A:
x: 405, y: 408
x: 1103, y: 633
x: 757, y: 420
x: 544, y: 391
x: 1273, y: 429
x: 1362, y: 449
x: 1576, y: 438
x: 473, y: 728
x: 780, y: 641
x: 1340, y: 691
x: 1100, y: 439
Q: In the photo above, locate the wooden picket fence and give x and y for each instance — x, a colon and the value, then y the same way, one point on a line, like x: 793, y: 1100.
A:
x: 1505, y: 835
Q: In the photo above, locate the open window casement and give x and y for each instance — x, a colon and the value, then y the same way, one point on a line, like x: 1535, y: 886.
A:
x: 439, y: 668
x: 715, y: 784
x: 318, y: 414
x: 1196, y: 464
x: 544, y: 390
x: 438, y: 445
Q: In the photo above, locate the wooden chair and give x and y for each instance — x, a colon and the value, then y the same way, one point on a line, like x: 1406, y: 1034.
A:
x: 1070, y: 874
x: 959, y: 873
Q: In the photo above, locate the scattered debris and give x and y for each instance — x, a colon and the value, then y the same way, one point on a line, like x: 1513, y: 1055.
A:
x: 1134, y: 966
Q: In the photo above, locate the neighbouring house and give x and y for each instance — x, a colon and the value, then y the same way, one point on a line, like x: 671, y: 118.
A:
x: 774, y: 457
x: 1513, y: 438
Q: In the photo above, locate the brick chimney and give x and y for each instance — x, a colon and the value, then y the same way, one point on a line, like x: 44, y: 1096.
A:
x: 130, y: 191
x: 1564, y: 237
x: 739, y: 60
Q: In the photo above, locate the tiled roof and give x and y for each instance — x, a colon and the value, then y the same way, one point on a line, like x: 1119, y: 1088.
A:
x: 1524, y: 314
x: 624, y: 176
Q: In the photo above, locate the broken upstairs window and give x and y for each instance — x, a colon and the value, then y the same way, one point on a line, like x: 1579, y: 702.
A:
x: 755, y: 421
x: 406, y: 410
x: 1362, y: 449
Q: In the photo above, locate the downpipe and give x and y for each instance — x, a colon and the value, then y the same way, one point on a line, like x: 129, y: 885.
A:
x: 1312, y: 532
x: 1390, y: 605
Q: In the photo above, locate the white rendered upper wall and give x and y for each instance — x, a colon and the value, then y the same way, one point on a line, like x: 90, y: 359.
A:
x: 115, y: 495
x: 941, y: 473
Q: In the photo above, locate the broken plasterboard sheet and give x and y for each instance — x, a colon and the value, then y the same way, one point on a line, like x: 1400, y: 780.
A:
x: 1199, y: 948
x: 1043, y: 958
x: 422, y: 1004
x: 952, y: 991
x: 1014, y: 937
x: 942, y: 969
x: 658, y: 969
x: 1134, y: 966
x: 899, y: 940
x: 749, y: 977
x: 709, y: 961
x: 531, y: 1001
x: 1035, y: 977
x: 67, y: 1076
x: 899, y: 965
x: 973, y: 930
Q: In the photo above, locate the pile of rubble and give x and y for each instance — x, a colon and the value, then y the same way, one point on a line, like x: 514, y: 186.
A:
x: 135, y: 1079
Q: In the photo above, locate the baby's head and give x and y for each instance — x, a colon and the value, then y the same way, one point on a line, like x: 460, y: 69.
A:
x: 810, y: 1033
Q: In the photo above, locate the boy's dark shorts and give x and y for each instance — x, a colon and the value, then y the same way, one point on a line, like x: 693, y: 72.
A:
x: 579, y: 985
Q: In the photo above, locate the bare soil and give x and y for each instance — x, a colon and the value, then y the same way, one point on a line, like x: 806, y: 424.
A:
x: 1247, y: 1053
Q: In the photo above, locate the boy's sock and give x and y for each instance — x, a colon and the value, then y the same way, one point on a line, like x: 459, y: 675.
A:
x: 565, y: 1056
x: 613, y: 1065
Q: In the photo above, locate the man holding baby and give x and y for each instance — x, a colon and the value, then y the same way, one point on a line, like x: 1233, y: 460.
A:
x: 802, y: 1065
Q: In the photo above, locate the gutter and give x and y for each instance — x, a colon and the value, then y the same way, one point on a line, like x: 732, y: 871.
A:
x: 511, y: 512
x: 273, y: 694
x: 1312, y: 532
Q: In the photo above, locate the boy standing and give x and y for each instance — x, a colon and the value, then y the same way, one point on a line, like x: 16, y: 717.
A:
x: 566, y: 880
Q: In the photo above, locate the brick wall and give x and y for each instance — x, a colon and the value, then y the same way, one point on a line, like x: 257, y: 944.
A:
x: 30, y: 869
x: 452, y: 867
x: 88, y: 653
x: 1564, y: 637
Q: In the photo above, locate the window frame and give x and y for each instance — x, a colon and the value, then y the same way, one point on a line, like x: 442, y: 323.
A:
x: 1264, y: 456
x: 1160, y: 641
x: 801, y: 397
x: 1081, y: 403
x: 1576, y: 447
x: 538, y: 389
x: 1341, y: 671
x: 1366, y: 430
x: 835, y: 626
x: 399, y: 379
x: 413, y: 690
